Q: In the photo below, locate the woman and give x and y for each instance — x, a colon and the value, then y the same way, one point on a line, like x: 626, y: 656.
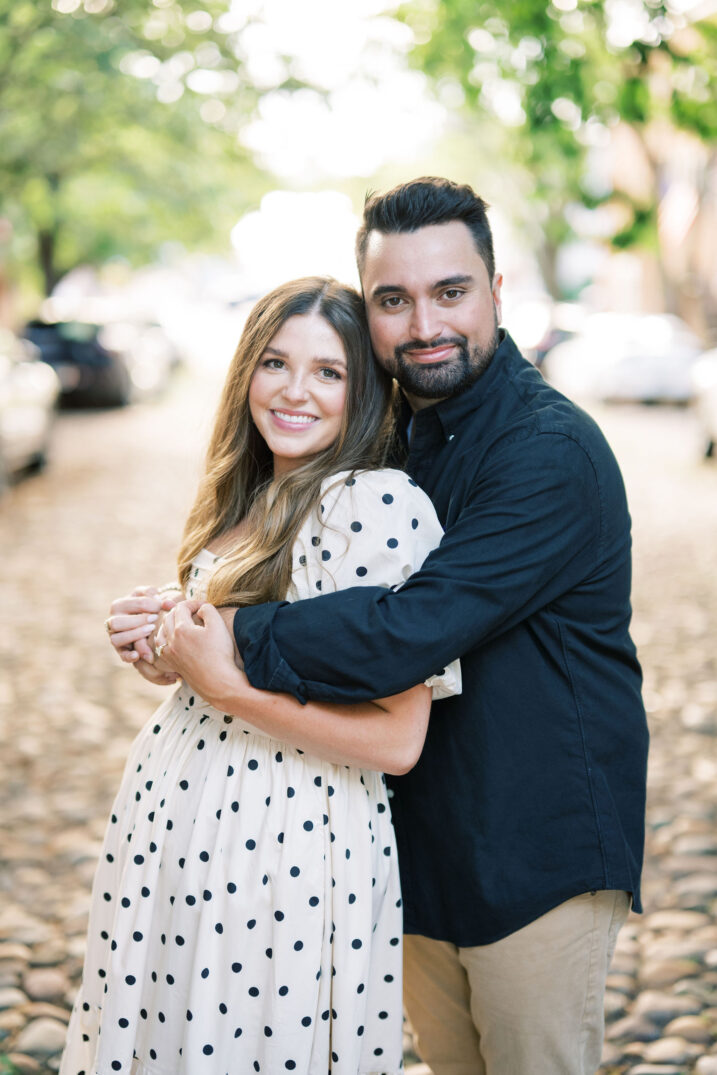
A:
x: 246, y: 910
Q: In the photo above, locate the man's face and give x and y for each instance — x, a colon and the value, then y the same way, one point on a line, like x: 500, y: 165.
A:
x: 432, y: 310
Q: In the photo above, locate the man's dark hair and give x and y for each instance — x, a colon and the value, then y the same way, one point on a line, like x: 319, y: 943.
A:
x: 425, y: 201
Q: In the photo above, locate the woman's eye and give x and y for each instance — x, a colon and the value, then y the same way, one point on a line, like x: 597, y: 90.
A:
x: 329, y: 374
x: 273, y: 364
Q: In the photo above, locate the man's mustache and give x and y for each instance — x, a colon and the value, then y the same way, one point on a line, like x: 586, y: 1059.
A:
x: 423, y: 345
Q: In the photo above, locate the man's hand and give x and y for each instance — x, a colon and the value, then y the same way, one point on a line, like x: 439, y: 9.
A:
x: 196, y: 642
x: 133, y: 620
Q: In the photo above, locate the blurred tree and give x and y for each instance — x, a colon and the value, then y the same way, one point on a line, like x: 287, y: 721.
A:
x: 564, y: 78
x: 118, y: 128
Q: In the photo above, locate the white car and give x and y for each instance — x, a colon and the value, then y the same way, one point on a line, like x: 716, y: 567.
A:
x: 704, y: 385
x: 29, y: 390
x: 637, y: 358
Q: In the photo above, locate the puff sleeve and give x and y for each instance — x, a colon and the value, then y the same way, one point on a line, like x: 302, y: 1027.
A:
x: 372, y: 528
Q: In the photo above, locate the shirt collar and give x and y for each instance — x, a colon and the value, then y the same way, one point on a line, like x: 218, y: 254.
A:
x: 447, y: 415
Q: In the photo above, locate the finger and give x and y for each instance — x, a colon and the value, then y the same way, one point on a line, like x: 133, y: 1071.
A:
x: 168, y: 623
x: 154, y: 676
x: 126, y: 622
x: 183, y: 613
x: 133, y: 605
x: 209, y: 615
x: 144, y: 649
x: 124, y: 638
x: 129, y: 655
x: 140, y: 591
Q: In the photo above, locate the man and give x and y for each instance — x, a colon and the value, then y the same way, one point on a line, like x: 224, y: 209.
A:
x: 520, y: 830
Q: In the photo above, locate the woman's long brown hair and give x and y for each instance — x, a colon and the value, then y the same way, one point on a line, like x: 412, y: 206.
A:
x: 238, y: 480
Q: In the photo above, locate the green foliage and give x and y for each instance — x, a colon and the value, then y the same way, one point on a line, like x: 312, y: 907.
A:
x: 93, y: 162
x: 573, y: 79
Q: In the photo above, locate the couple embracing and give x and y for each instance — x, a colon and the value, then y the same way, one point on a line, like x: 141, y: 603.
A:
x: 465, y: 542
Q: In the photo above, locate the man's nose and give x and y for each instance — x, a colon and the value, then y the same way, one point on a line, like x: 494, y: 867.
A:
x: 426, y: 323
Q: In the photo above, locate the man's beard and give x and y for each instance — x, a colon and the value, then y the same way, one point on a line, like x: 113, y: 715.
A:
x: 440, y: 380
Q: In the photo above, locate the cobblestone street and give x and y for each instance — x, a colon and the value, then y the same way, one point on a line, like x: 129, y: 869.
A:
x: 107, y: 514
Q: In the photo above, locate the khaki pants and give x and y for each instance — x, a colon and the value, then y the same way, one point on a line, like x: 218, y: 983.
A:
x: 530, y: 1004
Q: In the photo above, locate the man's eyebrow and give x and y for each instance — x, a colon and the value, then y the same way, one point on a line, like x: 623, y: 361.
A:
x: 398, y: 289
x: 451, y: 281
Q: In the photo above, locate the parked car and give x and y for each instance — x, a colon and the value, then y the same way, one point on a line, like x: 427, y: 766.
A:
x: 29, y: 390
x: 104, y: 365
x: 638, y: 358
x: 704, y: 385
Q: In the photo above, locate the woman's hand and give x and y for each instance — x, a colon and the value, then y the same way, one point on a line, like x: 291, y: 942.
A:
x: 195, y: 642
x: 133, y: 620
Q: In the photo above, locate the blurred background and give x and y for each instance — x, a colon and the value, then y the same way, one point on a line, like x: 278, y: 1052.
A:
x: 165, y: 162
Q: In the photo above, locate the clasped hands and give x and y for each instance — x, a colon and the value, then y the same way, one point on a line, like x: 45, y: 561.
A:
x: 166, y: 638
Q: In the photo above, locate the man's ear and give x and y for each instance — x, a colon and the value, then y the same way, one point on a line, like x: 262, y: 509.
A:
x: 495, y: 291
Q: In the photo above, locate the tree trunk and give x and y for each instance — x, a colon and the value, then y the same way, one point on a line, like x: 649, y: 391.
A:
x: 46, y: 243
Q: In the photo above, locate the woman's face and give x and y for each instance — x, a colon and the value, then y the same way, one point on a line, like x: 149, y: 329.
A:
x: 298, y: 391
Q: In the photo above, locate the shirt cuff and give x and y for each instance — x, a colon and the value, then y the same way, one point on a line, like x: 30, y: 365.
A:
x: 264, y: 666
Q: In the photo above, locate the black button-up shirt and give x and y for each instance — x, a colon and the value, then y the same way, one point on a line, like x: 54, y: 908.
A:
x: 531, y: 785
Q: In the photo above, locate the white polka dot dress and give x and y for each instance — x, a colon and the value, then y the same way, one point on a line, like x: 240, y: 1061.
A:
x: 246, y: 911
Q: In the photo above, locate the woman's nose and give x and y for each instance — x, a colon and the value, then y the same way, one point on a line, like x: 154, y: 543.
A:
x: 295, y: 387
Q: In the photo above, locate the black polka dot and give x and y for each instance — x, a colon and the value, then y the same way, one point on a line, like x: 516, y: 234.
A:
x: 414, y: 524
x: 387, y: 498
x: 356, y: 526
x: 253, y: 764
x: 325, y: 555
x: 208, y: 1050
x: 361, y: 572
x: 392, y: 543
